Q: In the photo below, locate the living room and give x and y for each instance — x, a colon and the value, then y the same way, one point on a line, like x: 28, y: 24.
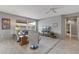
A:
x: 45, y: 23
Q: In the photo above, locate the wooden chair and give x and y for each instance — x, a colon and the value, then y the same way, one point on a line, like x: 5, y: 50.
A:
x: 23, y: 40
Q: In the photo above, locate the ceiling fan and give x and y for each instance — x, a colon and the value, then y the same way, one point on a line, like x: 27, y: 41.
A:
x: 52, y: 11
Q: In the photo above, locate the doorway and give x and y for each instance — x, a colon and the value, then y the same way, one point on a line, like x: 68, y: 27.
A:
x: 71, y: 27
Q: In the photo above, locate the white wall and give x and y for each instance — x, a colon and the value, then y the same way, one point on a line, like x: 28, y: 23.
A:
x: 8, y: 33
x: 50, y: 22
x: 62, y: 27
x: 78, y: 27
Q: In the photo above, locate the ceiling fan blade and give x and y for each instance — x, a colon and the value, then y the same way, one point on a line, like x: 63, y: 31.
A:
x: 53, y: 10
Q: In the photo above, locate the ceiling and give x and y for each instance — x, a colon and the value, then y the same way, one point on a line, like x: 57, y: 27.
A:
x: 38, y: 11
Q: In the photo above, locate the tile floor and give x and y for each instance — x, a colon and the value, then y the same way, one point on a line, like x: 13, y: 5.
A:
x: 10, y: 46
x: 66, y: 46
x: 47, y: 46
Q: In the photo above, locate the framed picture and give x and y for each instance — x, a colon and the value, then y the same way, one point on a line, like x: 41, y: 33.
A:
x: 55, y: 25
x: 5, y: 23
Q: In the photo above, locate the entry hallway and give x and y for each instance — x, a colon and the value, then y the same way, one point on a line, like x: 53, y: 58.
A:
x: 47, y: 45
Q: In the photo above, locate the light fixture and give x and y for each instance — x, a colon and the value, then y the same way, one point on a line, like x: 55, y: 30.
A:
x: 33, y: 23
x: 71, y: 22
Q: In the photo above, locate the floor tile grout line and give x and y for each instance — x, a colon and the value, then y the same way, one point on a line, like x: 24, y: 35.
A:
x: 53, y: 47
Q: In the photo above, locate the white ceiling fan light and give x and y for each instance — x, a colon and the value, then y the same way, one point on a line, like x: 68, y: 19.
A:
x: 52, y: 10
